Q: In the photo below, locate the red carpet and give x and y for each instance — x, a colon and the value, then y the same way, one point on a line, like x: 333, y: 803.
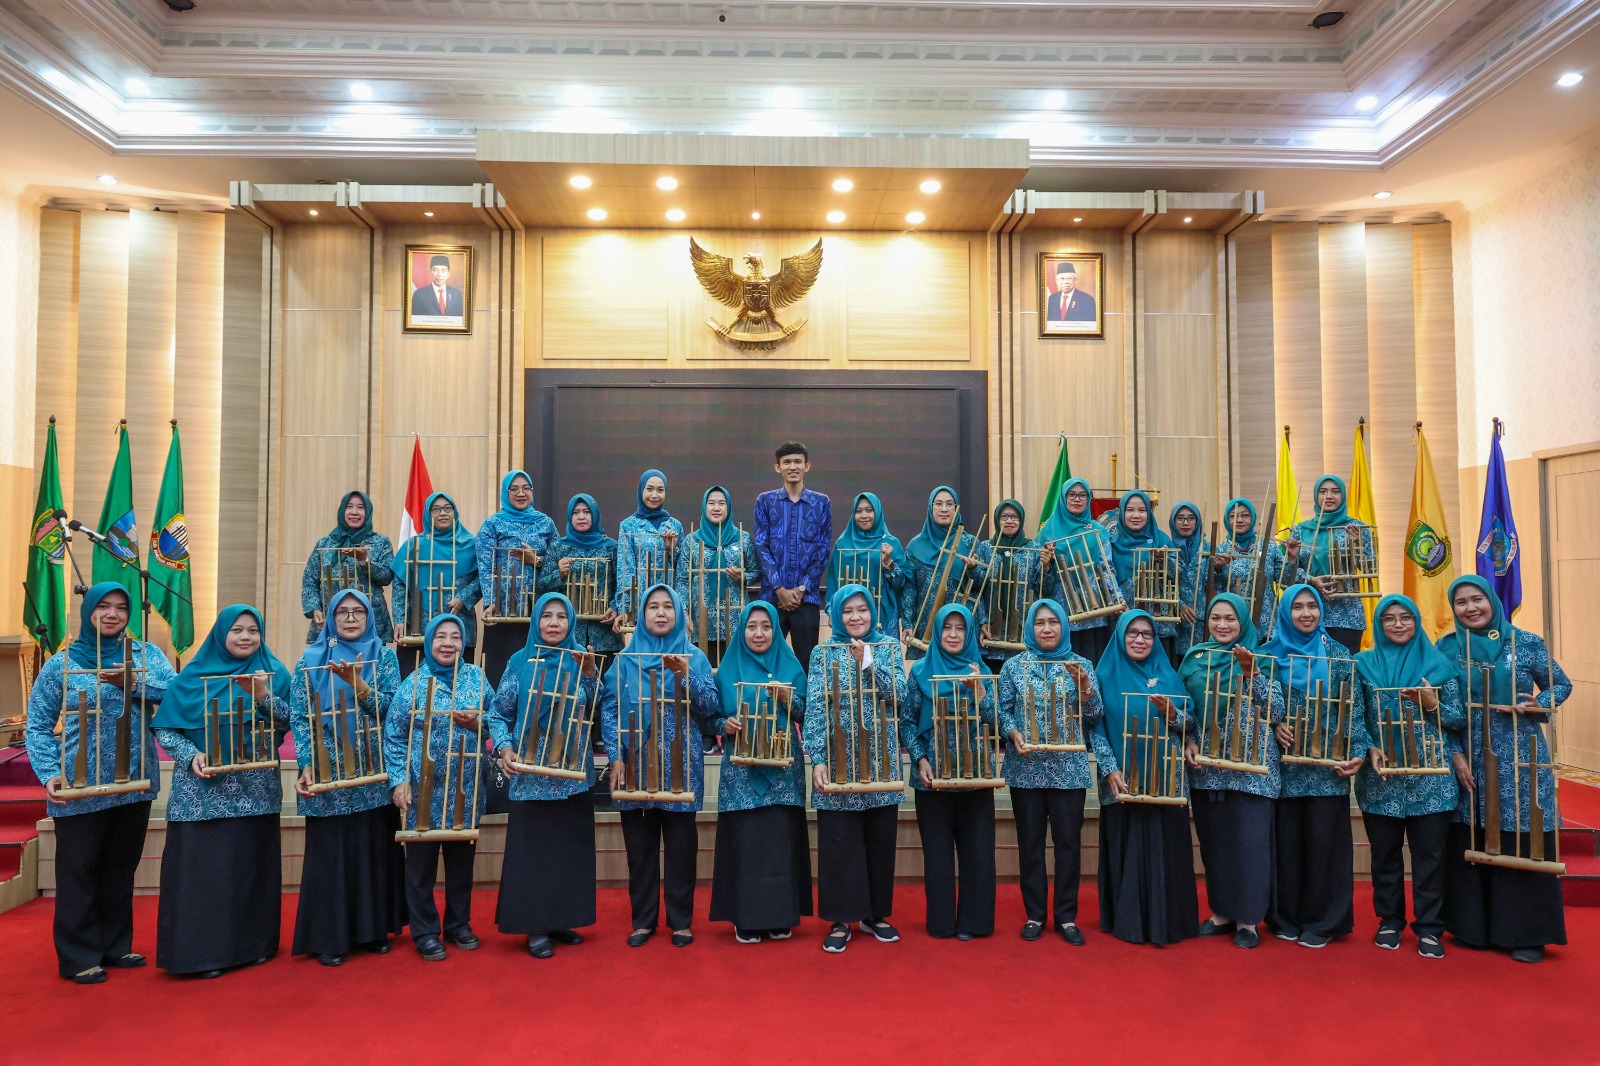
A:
x: 1580, y: 803
x: 988, y: 1001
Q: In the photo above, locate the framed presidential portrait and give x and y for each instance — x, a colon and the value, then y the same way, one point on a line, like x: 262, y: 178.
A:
x: 1071, y: 285
x: 438, y: 288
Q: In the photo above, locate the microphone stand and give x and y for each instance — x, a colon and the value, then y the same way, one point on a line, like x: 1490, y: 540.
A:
x: 145, y: 578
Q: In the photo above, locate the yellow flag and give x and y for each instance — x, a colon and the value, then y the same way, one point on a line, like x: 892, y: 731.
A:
x: 1429, y: 562
x: 1288, y: 490
x: 1361, y: 508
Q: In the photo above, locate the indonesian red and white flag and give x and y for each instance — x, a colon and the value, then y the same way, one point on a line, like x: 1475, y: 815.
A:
x: 418, y: 488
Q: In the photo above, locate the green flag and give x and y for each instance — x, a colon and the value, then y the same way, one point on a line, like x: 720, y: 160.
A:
x: 44, y: 606
x: 1052, y: 495
x: 170, y: 584
x: 118, y: 558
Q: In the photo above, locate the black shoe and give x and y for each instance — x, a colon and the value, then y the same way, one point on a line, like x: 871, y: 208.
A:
x: 883, y: 931
x: 540, y: 947
x: 130, y: 961
x: 1430, y: 948
x: 1071, y: 934
x: 1529, y: 955
x: 1032, y: 930
x: 328, y: 959
x: 566, y: 936
x: 465, y: 939
x: 94, y: 975
x: 378, y: 947
x: 208, y: 975
x: 431, y: 949
x: 1313, y: 940
x: 963, y: 936
x: 746, y: 936
x: 638, y: 939
x: 837, y: 938
x: 1212, y: 927
x: 1246, y: 937
x: 779, y: 934
x: 262, y: 961
x: 682, y: 940
x: 1387, y: 936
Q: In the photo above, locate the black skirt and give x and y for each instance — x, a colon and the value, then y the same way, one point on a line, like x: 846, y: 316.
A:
x: 221, y: 894
x: 761, y: 875
x: 352, y: 883
x: 1496, y: 906
x: 547, y: 881
x: 1237, y: 849
x: 1147, y: 886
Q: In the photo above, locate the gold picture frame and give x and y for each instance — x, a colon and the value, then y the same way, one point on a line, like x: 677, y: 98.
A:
x: 1085, y: 313
x: 433, y: 303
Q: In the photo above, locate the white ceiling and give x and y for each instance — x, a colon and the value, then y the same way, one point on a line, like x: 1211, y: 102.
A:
x: 1150, y: 93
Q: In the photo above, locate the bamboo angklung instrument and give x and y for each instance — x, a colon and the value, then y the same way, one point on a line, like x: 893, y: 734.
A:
x: 1227, y: 707
x: 1320, y: 716
x: 944, y: 587
x: 1156, y: 586
x: 1151, y: 752
x: 84, y: 711
x: 863, y: 741
x: 1528, y: 850
x: 965, y: 746
x: 422, y: 808
x: 347, y: 750
x: 121, y: 753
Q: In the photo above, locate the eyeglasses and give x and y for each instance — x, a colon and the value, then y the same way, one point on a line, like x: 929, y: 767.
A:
x: 1136, y: 635
x: 441, y: 508
x: 350, y: 613
x: 1077, y: 494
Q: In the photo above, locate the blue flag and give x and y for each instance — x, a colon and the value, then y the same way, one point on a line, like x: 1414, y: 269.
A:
x: 1499, y: 555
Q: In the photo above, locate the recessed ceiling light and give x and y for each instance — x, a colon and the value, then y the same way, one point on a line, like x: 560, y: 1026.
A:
x: 930, y: 186
x: 916, y: 218
x: 756, y: 215
x: 666, y: 184
x: 136, y: 87
x: 1078, y: 218
x: 675, y: 214
x: 1569, y: 79
x: 597, y: 214
x: 1382, y: 194
x: 580, y: 181
x: 783, y: 98
x: 836, y: 217
x: 1055, y: 99
x: 578, y: 96
x: 106, y: 179
x: 427, y: 214
x: 313, y: 212
x: 1366, y: 103
x: 1188, y: 218
x: 843, y: 185
x: 361, y: 90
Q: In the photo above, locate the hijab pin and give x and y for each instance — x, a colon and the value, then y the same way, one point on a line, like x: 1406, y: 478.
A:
x: 1494, y: 634
x: 1152, y: 682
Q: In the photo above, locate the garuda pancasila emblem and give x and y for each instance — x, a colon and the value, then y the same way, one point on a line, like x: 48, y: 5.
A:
x: 756, y: 296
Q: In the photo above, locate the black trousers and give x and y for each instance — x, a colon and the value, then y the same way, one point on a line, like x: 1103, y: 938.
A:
x: 1236, y: 848
x: 655, y: 839
x: 409, y: 656
x: 855, y: 864
x: 957, y: 833
x: 801, y: 626
x: 97, y: 855
x: 1315, y: 880
x: 1350, y: 638
x: 500, y: 642
x: 1497, y: 906
x: 1091, y: 643
x: 1060, y: 810
x: 422, y: 870
x: 1425, y: 835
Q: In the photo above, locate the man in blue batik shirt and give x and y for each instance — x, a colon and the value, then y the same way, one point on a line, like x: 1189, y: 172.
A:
x: 794, y: 534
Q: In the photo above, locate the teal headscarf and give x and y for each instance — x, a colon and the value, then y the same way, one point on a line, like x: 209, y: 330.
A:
x: 596, y: 536
x: 1214, y: 657
x: 1121, y: 677
x: 712, y: 538
x: 1019, y: 539
x: 1126, y: 542
x: 1190, y: 545
x: 345, y: 537
x: 852, y: 539
x: 529, y: 515
x: 1317, y: 532
x: 1240, y: 542
x: 1060, y: 652
x: 660, y: 514
x: 626, y: 678
x: 90, y: 650
x: 837, y: 633
x: 433, y: 666
x: 433, y: 548
x: 776, y: 665
x: 1485, y: 645
x: 330, y: 648
x: 1286, y: 640
x: 1391, y: 665
x: 183, y: 706
x: 1063, y: 524
x: 535, y: 669
x: 714, y: 535
x: 940, y: 663
x: 926, y: 545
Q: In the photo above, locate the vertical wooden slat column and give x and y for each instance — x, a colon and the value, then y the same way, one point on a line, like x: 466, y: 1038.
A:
x: 102, y: 357
x: 1342, y: 285
x: 1391, y: 388
x: 153, y: 306
x: 57, y: 347
x: 247, y: 330
x: 1436, y: 377
x: 1177, y: 365
x: 1254, y: 425
x: 197, y: 402
x: 1297, y: 346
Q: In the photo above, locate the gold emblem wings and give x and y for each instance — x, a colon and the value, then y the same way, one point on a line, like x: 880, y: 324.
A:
x: 755, y: 296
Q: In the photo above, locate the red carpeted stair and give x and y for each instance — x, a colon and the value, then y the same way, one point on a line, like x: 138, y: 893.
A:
x: 21, y: 808
x: 1580, y: 842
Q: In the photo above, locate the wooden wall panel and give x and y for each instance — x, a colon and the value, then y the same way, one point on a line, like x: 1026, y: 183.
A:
x: 243, y: 472
x: 57, y: 348
x: 197, y: 401
x: 102, y: 354
x: 910, y: 298
x: 1433, y: 294
x: 1251, y: 374
x: 1296, y: 344
x: 1176, y: 365
x: 1392, y: 389
x: 1342, y: 282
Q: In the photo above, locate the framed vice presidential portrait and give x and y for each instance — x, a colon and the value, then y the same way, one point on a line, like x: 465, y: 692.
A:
x: 438, y: 288
x: 1071, y: 285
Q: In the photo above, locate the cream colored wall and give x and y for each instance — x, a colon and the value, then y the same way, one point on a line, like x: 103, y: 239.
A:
x: 19, y: 311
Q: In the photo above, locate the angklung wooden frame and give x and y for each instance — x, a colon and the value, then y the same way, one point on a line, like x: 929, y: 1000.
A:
x: 346, y: 742
x: 461, y: 779
x: 1225, y: 742
x: 559, y: 747
x: 237, y: 735
x: 658, y: 768
x: 1011, y: 587
x: 940, y: 591
x: 1155, y: 772
x: 424, y: 602
x: 1322, y: 717
x: 513, y: 584
x: 85, y: 772
x: 965, y: 748
x: 863, y: 732
x: 1089, y: 587
x: 760, y: 707
x: 339, y: 570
